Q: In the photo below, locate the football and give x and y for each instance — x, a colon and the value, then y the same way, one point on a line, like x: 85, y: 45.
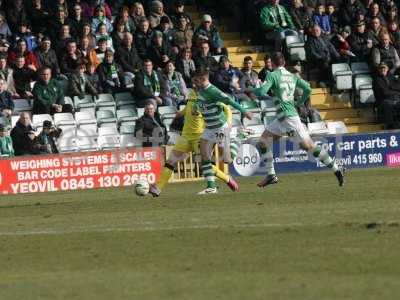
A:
x: 141, y: 187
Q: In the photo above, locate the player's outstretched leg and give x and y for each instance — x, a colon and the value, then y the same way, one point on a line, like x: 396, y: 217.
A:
x: 229, y: 180
x: 266, y: 147
x: 209, y: 175
x: 155, y: 189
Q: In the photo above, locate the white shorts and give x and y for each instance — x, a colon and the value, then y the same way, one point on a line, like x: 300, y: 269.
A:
x: 220, y: 136
x: 291, y: 126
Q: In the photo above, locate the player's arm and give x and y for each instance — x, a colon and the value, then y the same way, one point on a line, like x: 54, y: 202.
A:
x: 305, y: 87
x: 228, y: 114
x: 264, y: 88
x: 224, y: 98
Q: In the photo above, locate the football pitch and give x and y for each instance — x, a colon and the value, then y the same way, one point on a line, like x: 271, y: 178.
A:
x: 304, y: 238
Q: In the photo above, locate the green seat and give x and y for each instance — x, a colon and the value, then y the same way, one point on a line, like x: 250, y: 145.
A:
x: 105, y: 98
x: 124, y: 99
x: 124, y: 115
x: 105, y: 116
x: 127, y: 129
x: 85, y: 102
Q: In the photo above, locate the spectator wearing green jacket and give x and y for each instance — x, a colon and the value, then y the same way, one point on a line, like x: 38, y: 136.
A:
x: 48, y: 97
x: 277, y: 23
x: 6, y: 144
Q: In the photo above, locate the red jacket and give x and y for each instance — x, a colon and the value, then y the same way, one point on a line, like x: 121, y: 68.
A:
x: 30, y: 58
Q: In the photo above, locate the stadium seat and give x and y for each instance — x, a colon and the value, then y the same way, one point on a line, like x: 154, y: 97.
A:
x: 67, y: 144
x: 360, y: 68
x: 295, y: 46
x: 125, y: 114
x: 167, y: 111
x: 343, y: 76
x: 85, y: 117
x: 236, y: 122
x: 267, y: 105
x: 269, y: 117
x: 105, y: 98
x: 105, y: 117
x: 21, y: 105
x: 127, y: 129
x: 167, y: 122
x: 87, y: 130
x: 129, y: 140
x: 86, y: 143
x: 140, y: 111
x: 14, y: 120
x: 256, y: 120
x: 63, y: 119
x: 317, y: 128
x: 108, y: 142
x: 173, y: 137
x: 124, y: 99
x: 336, y: 127
x: 68, y: 131
x: 85, y: 102
x: 108, y: 130
x: 38, y: 120
x: 68, y: 100
x: 363, y: 86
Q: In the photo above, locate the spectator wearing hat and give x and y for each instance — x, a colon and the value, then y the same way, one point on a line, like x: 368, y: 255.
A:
x: 143, y: 38
x: 6, y: 73
x: 208, y: 32
x: 277, y: 23
x: 360, y: 42
x: 79, y: 83
x: 160, y: 52
x: 48, y: 97
x: 23, y: 136
x: 149, y: 84
x: 5, y: 31
x: 127, y: 56
x: 182, y: 34
x: 6, y: 101
x: 228, y: 78
x: 23, y: 77
x: 6, y: 144
x: 341, y: 44
x: 111, y: 75
x: 22, y: 50
x: 46, y: 139
x: 165, y: 28
x: 387, y: 94
x: 156, y: 12
x: 178, y: 12
x: 386, y: 53
x: 100, y: 18
x: 46, y: 56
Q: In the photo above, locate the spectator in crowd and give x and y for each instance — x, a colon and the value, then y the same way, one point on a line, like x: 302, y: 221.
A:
x: 6, y: 74
x: 149, y: 84
x: 250, y: 77
x: 143, y: 37
x: 23, y: 136
x: 277, y: 23
x: 87, y: 32
x: 100, y: 18
x: 6, y: 101
x: 48, y: 97
x: 55, y: 24
x: 77, y: 20
x: 85, y: 48
x: 348, y: 11
x: 16, y: 13
x: 137, y: 13
x: 183, y: 34
x: 340, y: 42
x: 149, y: 127
x: 321, y: 19
x: 387, y: 94
x: 64, y: 37
x: 185, y: 65
x: 47, y: 56
x: 159, y: 52
x: 96, y: 56
x: 176, y: 86
x: 71, y: 57
x: 386, y: 53
x: 118, y: 34
x: 375, y: 30
x: 59, y: 4
x: 46, y: 139
x: 92, y: 6
x: 320, y: 54
x: 6, y: 144
x: 392, y: 15
x: 266, y: 69
x: 126, y: 20
x: 333, y: 17
x: 394, y: 32
x: 204, y: 60
x: 179, y: 12
x: 165, y: 28
x: 208, y: 32
x: 111, y: 75
x: 23, y: 77
x: 5, y: 32
x: 24, y: 33
x: 127, y: 56
x: 21, y: 50
x: 39, y: 16
x: 102, y: 33
x: 156, y: 12
x: 300, y: 16
x: 360, y: 42
x: 374, y: 12
x: 228, y: 78
x: 79, y: 84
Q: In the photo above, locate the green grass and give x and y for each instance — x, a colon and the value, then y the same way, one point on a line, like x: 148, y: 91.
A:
x: 304, y: 238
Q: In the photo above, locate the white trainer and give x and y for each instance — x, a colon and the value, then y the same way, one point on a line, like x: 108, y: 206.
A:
x: 208, y: 191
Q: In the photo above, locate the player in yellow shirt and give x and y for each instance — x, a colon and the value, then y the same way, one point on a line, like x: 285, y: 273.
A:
x: 189, y: 142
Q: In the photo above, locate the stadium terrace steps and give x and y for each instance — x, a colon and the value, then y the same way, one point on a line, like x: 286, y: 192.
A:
x: 332, y: 107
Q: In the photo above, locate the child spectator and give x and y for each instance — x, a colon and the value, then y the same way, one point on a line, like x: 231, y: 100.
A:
x: 321, y: 19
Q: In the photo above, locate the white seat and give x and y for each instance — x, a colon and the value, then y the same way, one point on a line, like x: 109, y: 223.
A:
x: 66, y: 145
x: 173, y: 137
x: 108, y: 130
x: 105, y: 98
x: 336, y: 127
x: 364, y: 91
x: 68, y: 100
x: 86, y: 143
x: 295, y: 46
x: 256, y: 120
x: 317, y: 128
x: 167, y: 122
x: 14, y: 120
x: 106, y: 142
x: 64, y: 119
x: 85, y: 117
x: 21, y: 105
x: 68, y: 131
x: 360, y: 68
x: 140, y: 111
x: 38, y: 120
x: 343, y: 76
x: 129, y: 140
x: 87, y: 130
x: 170, y: 110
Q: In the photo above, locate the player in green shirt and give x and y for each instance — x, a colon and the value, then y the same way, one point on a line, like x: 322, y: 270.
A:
x: 217, y: 130
x: 283, y: 84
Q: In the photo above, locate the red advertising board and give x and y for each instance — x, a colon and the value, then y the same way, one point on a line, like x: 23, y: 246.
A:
x: 84, y: 170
